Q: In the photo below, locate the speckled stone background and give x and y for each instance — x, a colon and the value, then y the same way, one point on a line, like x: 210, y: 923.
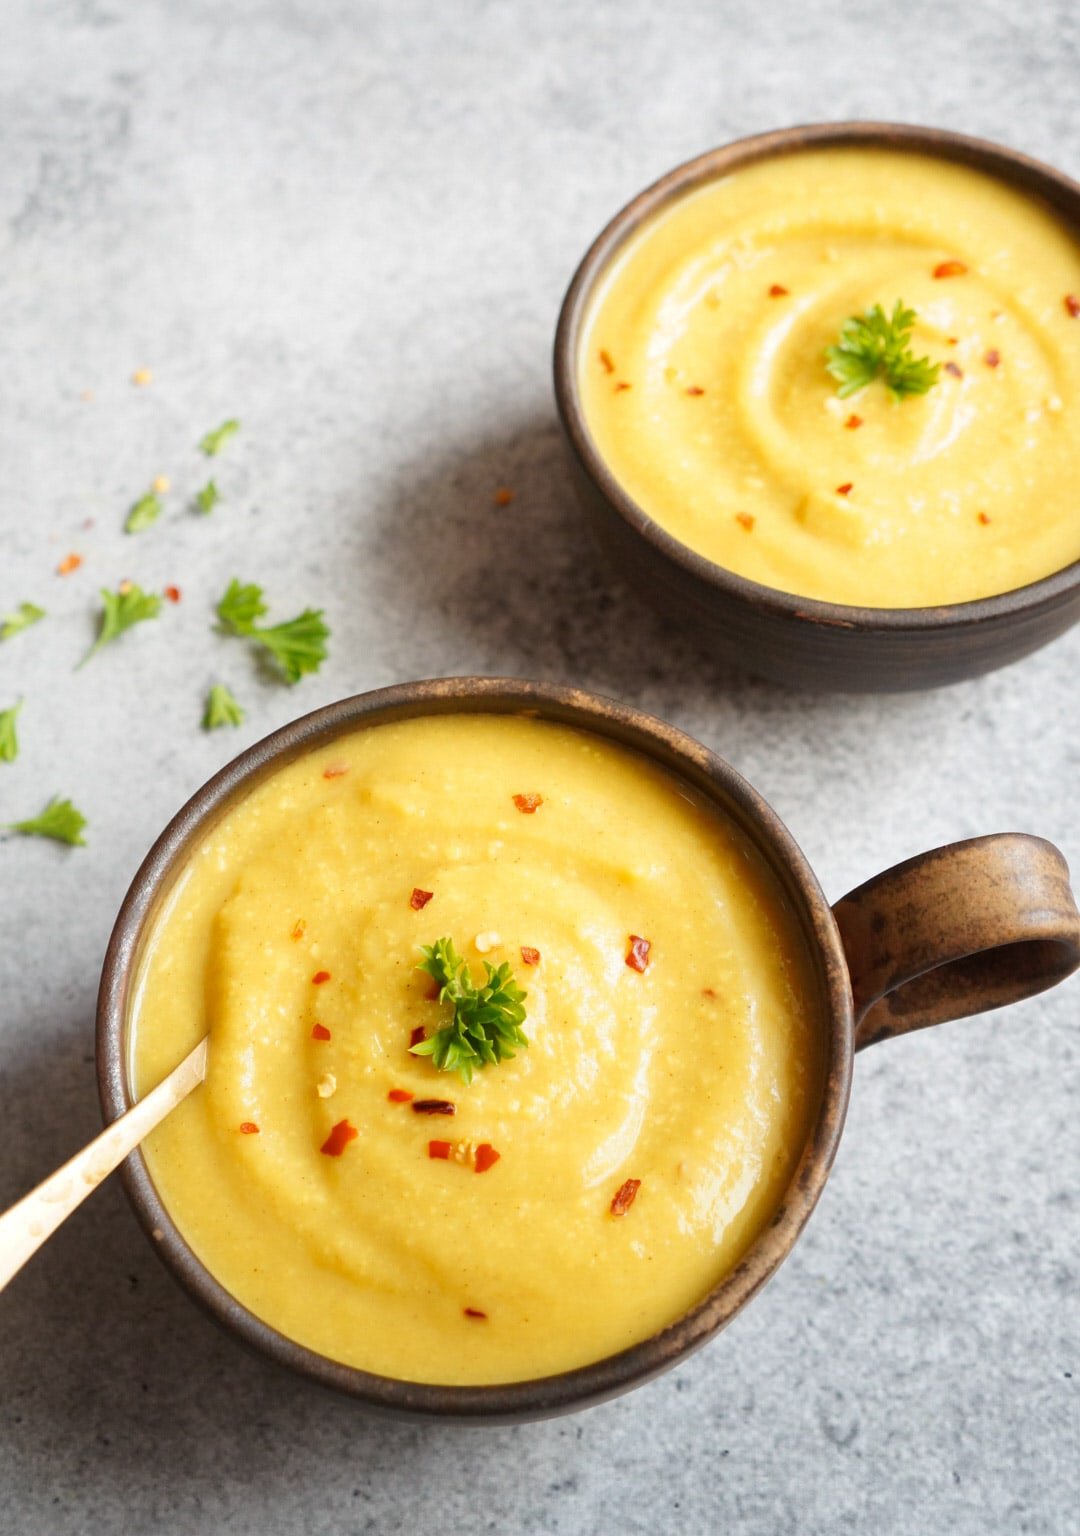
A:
x: 351, y: 225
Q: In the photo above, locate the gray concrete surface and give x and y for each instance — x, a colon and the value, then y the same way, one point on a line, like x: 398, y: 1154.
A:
x: 351, y: 225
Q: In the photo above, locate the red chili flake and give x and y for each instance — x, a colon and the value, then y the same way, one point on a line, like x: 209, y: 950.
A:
x: 984, y: 518
x: 248, y: 1128
x: 623, y: 1197
x: 68, y: 564
x: 605, y: 361
x: 474, y: 1312
x: 434, y: 1107
x: 845, y: 489
x: 299, y: 928
x: 853, y: 421
x: 528, y: 804
x: 172, y: 593
x: 950, y: 269
x: 953, y: 340
x: 335, y: 771
x: 744, y: 520
x: 439, y: 1149
x: 708, y: 992
x: 416, y: 1036
x: 621, y: 385
x: 637, y: 956
x: 503, y: 496
x: 320, y: 1032
x: 695, y: 389
x: 399, y: 1096
x: 339, y: 1138
x: 778, y: 291
x: 1072, y: 305
x: 529, y: 955
x: 319, y: 977
x: 952, y: 368
x: 486, y: 1157
x: 419, y: 899
x: 992, y: 358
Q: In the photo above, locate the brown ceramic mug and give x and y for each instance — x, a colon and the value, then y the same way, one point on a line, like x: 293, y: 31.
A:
x: 958, y: 930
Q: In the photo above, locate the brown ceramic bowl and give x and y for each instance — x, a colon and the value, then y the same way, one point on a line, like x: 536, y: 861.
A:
x: 801, y: 641
x: 968, y: 927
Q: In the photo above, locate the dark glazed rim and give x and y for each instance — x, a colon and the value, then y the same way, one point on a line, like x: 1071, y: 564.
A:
x: 1031, y: 176
x: 662, y: 743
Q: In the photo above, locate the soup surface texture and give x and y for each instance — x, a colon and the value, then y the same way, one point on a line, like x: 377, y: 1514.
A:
x: 293, y: 937
x: 705, y: 386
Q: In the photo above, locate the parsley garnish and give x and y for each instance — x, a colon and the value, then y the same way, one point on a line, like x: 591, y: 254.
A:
x: 221, y: 708
x: 208, y: 498
x: 9, y: 742
x: 144, y: 514
x: 876, y: 345
x: 123, y: 608
x: 298, y: 645
x: 59, y: 820
x: 487, y: 1020
x: 214, y: 442
x: 14, y: 623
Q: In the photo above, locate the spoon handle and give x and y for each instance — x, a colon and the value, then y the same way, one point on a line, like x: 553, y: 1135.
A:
x: 37, y: 1215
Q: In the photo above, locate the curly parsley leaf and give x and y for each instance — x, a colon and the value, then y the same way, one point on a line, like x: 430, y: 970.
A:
x: 24, y: 615
x: 876, y: 345
x: 208, y: 498
x: 485, y: 1027
x: 221, y: 708
x: 297, y: 646
x: 144, y: 514
x: 9, y: 741
x: 214, y: 442
x: 128, y: 605
x: 59, y: 820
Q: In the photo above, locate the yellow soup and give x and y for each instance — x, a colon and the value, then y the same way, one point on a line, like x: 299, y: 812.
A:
x: 705, y: 387
x: 406, y: 1248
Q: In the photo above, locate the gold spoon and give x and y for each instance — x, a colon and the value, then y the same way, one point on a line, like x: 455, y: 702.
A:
x: 37, y: 1215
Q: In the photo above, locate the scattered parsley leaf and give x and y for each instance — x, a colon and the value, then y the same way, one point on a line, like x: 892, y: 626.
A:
x: 876, y: 345
x: 298, y: 645
x: 221, y: 708
x: 214, y: 442
x: 486, y: 1023
x: 59, y: 820
x: 208, y: 498
x: 130, y: 605
x: 24, y: 615
x: 9, y: 742
x: 144, y: 514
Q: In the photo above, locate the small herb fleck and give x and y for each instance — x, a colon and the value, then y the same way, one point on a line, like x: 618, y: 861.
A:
x: 9, y: 742
x: 59, y: 821
x: 214, y: 442
x: 144, y: 514
x: 208, y: 498
x: 24, y: 615
x: 221, y: 708
x: 125, y: 607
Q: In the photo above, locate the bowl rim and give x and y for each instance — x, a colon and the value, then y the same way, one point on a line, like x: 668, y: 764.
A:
x: 1032, y: 176
x: 659, y: 742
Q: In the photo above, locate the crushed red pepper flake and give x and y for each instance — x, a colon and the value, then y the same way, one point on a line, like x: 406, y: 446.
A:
x: 845, y: 489
x: 694, y: 389
x: 172, y: 593
x: 605, y: 360
x: 708, y: 992
x: 621, y: 385
x: 486, y: 1157
x: 299, y: 928
x: 530, y: 956
x: 339, y: 1138
x: 528, y: 805
x: 624, y: 1197
x: 1072, y: 305
x: 248, y: 1128
x: 778, y: 291
x: 320, y: 1032
x: 400, y: 1096
x: 984, y: 518
x: 439, y: 1149
x: 335, y: 770
x: 954, y: 369
x: 475, y: 1312
x: 419, y: 899
x: 744, y: 520
x: 992, y: 358
x: 503, y: 496
x: 68, y: 564
x: 853, y: 422
x: 319, y: 977
x: 417, y: 1034
x: 953, y: 340
x: 950, y: 269
x: 637, y: 956
x: 433, y: 1107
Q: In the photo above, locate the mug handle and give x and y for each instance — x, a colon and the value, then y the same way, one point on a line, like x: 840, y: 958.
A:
x: 958, y: 930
